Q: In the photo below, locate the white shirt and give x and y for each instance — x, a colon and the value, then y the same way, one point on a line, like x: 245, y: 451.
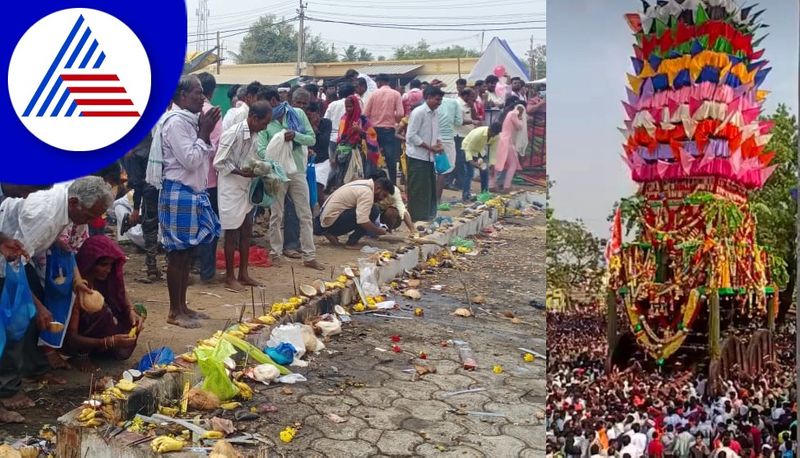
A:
x: 36, y: 221
x: 639, y: 440
x: 396, y: 201
x: 335, y: 111
x: 236, y: 148
x: 631, y: 450
x: 466, y: 116
x: 423, y: 127
x: 235, y: 116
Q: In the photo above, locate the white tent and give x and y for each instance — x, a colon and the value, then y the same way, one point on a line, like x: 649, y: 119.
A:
x: 498, y: 53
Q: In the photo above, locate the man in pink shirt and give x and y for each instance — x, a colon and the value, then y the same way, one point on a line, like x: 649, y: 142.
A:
x: 413, y: 97
x: 206, y: 259
x: 385, y: 110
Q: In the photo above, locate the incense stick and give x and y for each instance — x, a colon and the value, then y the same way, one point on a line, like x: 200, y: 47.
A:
x: 294, y: 282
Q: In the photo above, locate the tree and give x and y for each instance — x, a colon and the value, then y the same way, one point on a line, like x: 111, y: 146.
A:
x: 353, y: 54
x: 422, y: 50
x: 270, y: 40
x: 773, y: 205
x: 574, y: 256
x: 539, y: 56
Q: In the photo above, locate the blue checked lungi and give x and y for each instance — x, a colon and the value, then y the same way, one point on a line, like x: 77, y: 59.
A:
x: 186, y: 217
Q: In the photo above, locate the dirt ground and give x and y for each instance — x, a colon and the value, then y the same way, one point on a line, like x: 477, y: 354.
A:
x: 509, y: 273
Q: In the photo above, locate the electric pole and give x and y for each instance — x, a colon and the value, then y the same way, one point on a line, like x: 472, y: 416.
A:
x: 482, y: 35
x: 301, y: 37
x: 219, y: 53
x: 532, y: 61
x: 202, y: 14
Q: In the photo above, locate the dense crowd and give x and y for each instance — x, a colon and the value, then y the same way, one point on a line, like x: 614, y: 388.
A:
x: 643, y: 411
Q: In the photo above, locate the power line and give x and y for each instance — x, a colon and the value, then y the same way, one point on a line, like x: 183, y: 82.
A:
x: 254, y: 24
x: 432, y: 29
x: 453, y: 25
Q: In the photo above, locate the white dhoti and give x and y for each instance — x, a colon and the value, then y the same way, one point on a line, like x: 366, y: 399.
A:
x: 233, y: 197
x: 323, y: 172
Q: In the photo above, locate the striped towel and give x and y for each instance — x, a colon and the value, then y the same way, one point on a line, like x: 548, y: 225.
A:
x: 186, y: 217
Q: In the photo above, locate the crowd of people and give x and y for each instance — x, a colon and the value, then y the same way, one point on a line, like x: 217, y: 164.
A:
x: 643, y: 411
x: 354, y: 159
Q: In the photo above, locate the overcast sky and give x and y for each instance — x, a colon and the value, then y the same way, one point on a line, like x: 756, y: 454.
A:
x: 237, y: 14
x: 589, y: 50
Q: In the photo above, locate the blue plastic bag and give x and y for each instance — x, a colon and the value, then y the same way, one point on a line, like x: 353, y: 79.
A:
x: 311, y: 178
x: 441, y: 163
x: 16, y: 303
x: 160, y: 357
x: 283, y: 354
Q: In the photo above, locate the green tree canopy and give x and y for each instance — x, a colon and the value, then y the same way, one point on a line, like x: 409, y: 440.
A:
x: 270, y: 40
x: 773, y: 205
x: 422, y: 50
x: 574, y: 255
x: 353, y: 54
x: 539, y: 55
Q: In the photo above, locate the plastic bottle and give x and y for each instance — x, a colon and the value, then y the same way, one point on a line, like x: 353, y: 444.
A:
x: 467, y: 357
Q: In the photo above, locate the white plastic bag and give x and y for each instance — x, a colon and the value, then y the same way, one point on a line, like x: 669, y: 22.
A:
x: 369, y: 277
x: 289, y: 333
x: 280, y: 151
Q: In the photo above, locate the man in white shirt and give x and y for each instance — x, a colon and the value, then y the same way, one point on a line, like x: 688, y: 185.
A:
x: 629, y: 448
x: 462, y: 176
x: 239, y: 114
x: 518, y: 89
x: 237, y: 150
x: 423, y: 142
x: 638, y: 438
x: 335, y: 111
x: 351, y: 209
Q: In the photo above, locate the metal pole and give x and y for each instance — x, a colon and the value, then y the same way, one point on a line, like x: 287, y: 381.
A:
x: 300, y: 37
x: 219, y: 53
x: 482, y: 35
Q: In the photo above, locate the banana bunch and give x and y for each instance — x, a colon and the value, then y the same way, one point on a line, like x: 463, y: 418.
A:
x: 230, y: 405
x: 189, y: 357
x: 212, y: 435
x: 269, y: 320
x: 210, y: 342
x: 172, y: 368
x: 334, y: 285
x: 104, y: 398
x: 168, y: 411
x: 236, y: 333
x: 134, y: 330
x: 126, y: 385
x: 89, y: 418
x: 115, y: 392
x: 342, y: 279
x: 245, y: 392
x: 164, y: 444
x: 247, y: 328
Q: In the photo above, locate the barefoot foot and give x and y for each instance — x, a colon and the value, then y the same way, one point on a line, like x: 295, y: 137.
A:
x: 56, y: 361
x: 333, y: 239
x: 18, y: 401
x: 7, y: 416
x: 195, y: 315
x: 233, y: 285
x: 314, y: 264
x: 183, y: 321
x: 247, y: 281
x: 48, y: 378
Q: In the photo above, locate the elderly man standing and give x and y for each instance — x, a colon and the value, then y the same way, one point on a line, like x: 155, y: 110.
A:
x: 237, y: 150
x: 385, y: 110
x: 179, y: 163
x: 293, y: 121
x: 37, y: 221
x: 423, y: 142
x: 248, y: 97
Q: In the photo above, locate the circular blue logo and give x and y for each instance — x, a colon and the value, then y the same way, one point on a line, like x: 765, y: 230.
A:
x: 86, y: 82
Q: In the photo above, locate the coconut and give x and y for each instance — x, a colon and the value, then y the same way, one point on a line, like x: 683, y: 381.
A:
x: 93, y: 302
x: 319, y: 285
x: 349, y: 272
x: 308, y: 290
x: 202, y: 400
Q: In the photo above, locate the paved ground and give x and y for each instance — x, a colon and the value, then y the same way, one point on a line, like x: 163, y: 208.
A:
x: 390, y: 411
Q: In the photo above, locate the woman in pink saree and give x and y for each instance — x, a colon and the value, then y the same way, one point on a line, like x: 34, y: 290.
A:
x: 512, y: 143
